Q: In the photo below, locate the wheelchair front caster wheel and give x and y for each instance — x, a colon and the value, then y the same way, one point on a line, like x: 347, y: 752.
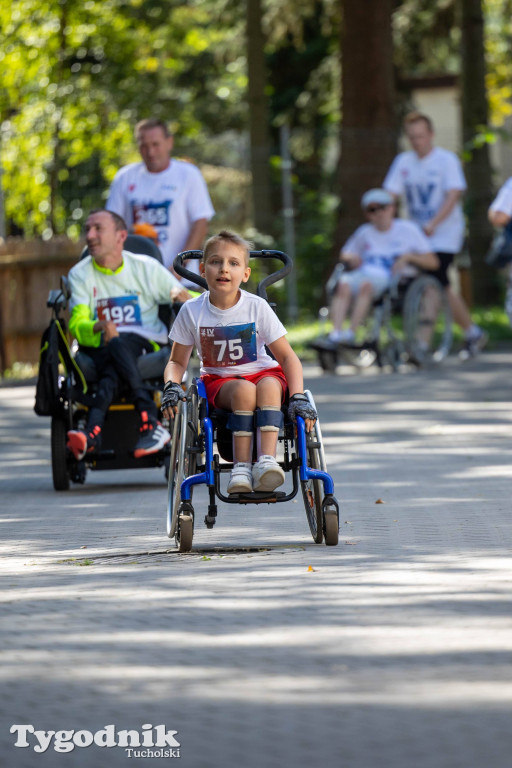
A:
x: 330, y: 515
x: 185, y: 531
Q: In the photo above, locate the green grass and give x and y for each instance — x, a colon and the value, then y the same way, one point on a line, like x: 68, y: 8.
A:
x: 492, y: 319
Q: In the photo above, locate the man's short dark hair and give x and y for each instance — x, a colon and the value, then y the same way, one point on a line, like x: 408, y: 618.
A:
x: 118, y: 220
x: 151, y: 122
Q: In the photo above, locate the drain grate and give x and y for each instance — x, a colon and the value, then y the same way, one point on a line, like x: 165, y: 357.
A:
x: 136, y: 558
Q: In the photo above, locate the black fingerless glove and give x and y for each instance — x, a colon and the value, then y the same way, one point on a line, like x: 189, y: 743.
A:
x: 299, y: 405
x: 171, y: 396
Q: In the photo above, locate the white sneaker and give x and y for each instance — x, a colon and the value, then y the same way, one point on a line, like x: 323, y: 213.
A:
x: 240, y: 480
x: 267, y: 475
x: 474, y: 345
x: 342, y: 337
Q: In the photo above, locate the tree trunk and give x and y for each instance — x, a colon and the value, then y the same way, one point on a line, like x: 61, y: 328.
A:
x: 475, y: 115
x: 258, y: 121
x: 369, y: 130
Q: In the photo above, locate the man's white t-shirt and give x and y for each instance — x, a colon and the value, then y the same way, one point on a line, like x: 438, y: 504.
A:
x: 379, y: 250
x: 230, y: 342
x: 171, y: 201
x: 425, y: 182
x: 129, y: 296
x: 503, y: 200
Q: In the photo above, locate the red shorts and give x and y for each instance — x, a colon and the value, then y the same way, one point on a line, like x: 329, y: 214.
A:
x: 214, y: 383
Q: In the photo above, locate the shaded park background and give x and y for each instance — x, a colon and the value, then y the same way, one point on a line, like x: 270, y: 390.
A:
x: 334, y: 77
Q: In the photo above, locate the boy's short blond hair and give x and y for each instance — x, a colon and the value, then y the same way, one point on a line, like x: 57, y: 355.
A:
x: 226, y: 236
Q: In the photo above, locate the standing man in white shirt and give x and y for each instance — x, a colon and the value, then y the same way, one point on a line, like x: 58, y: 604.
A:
x: 500, y: 216
x: 169, y: 194
x: 432, y: 182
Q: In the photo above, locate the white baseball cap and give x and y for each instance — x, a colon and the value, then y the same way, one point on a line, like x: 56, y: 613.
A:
x: 376, y: 197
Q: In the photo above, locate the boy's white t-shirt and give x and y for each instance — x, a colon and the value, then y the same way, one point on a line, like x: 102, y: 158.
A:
x: 379, y: 250
x: 425, y: 181
x: 230, y: 342
x: 503, y: 200
x: 129, y: 297
x: 170, y: 201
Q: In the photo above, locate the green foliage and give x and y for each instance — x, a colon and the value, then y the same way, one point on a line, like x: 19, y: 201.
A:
x: 77, y: 76
x: 426, y: 37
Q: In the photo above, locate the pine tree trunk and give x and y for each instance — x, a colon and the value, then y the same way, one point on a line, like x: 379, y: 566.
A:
x: 258, y: 121
x: 475, y: 115
x: 369, y: 130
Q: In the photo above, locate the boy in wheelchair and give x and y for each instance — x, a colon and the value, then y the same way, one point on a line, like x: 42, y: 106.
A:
x: 378, y: 250
x: 230, y: 329
x: 114, y: 317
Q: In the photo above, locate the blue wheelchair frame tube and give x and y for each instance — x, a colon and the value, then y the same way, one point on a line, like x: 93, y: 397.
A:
x: 305, y: 472
x: 208, y: 476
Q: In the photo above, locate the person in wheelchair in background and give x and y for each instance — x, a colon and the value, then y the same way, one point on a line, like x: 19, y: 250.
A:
x: 383, y: 247
x: 114, y: 317
x: 230, y: 328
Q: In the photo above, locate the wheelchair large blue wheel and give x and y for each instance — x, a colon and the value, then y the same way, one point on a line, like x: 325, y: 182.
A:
x: 320, y: 525
x: 182, y: 464
x: 312, y: 491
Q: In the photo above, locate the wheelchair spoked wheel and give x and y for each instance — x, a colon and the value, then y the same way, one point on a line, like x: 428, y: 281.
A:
x: 182, y: 463
x: 312, y: 490
x: 427, y: 321
x: 60, y: 470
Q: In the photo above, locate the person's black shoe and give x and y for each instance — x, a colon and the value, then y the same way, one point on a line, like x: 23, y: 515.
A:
x: 152, y: 437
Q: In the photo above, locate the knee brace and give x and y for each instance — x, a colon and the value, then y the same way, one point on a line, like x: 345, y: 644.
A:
x: 269, y: 418
x: 241, y: 423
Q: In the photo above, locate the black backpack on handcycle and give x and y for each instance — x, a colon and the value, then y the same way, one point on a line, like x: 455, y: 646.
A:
x: 54, y: 350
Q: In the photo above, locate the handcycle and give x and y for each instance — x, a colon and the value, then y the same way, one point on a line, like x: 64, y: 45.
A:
x: 197, y: 429
x: 65, y: 391
x: 410, y: 323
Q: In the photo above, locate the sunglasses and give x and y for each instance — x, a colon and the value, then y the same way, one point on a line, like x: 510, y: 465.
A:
x: 375, y: 208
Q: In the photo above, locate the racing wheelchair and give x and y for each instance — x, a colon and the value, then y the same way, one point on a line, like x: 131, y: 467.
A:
x: 197, y: 429
x: 66, y: 385
x: 410, y: 323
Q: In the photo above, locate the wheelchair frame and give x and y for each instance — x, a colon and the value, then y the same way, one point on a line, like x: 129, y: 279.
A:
x: 194, y: 462
x: 396, y: 350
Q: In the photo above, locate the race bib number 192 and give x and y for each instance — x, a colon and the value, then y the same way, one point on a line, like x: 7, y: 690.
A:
x: 121, y: 310
x: 228, y: 345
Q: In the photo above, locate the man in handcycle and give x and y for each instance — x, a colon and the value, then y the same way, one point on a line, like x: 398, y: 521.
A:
x: 230, y: 329
x: 377, y: 251
x: 114, y: 317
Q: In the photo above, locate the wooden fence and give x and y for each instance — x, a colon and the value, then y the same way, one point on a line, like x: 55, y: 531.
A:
x: 28, y: 271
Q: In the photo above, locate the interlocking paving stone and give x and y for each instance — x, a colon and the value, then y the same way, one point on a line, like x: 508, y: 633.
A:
x: 393, y: 649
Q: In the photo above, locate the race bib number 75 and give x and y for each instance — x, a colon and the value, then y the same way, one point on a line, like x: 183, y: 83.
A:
x: 228, y: 345
x: 121, y: 310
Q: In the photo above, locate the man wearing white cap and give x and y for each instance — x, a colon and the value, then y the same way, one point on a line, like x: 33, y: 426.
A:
x: 432, y: 182
x: 370, y: 257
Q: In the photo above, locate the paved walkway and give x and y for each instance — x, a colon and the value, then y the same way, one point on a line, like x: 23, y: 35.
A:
x: 393, y: 649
